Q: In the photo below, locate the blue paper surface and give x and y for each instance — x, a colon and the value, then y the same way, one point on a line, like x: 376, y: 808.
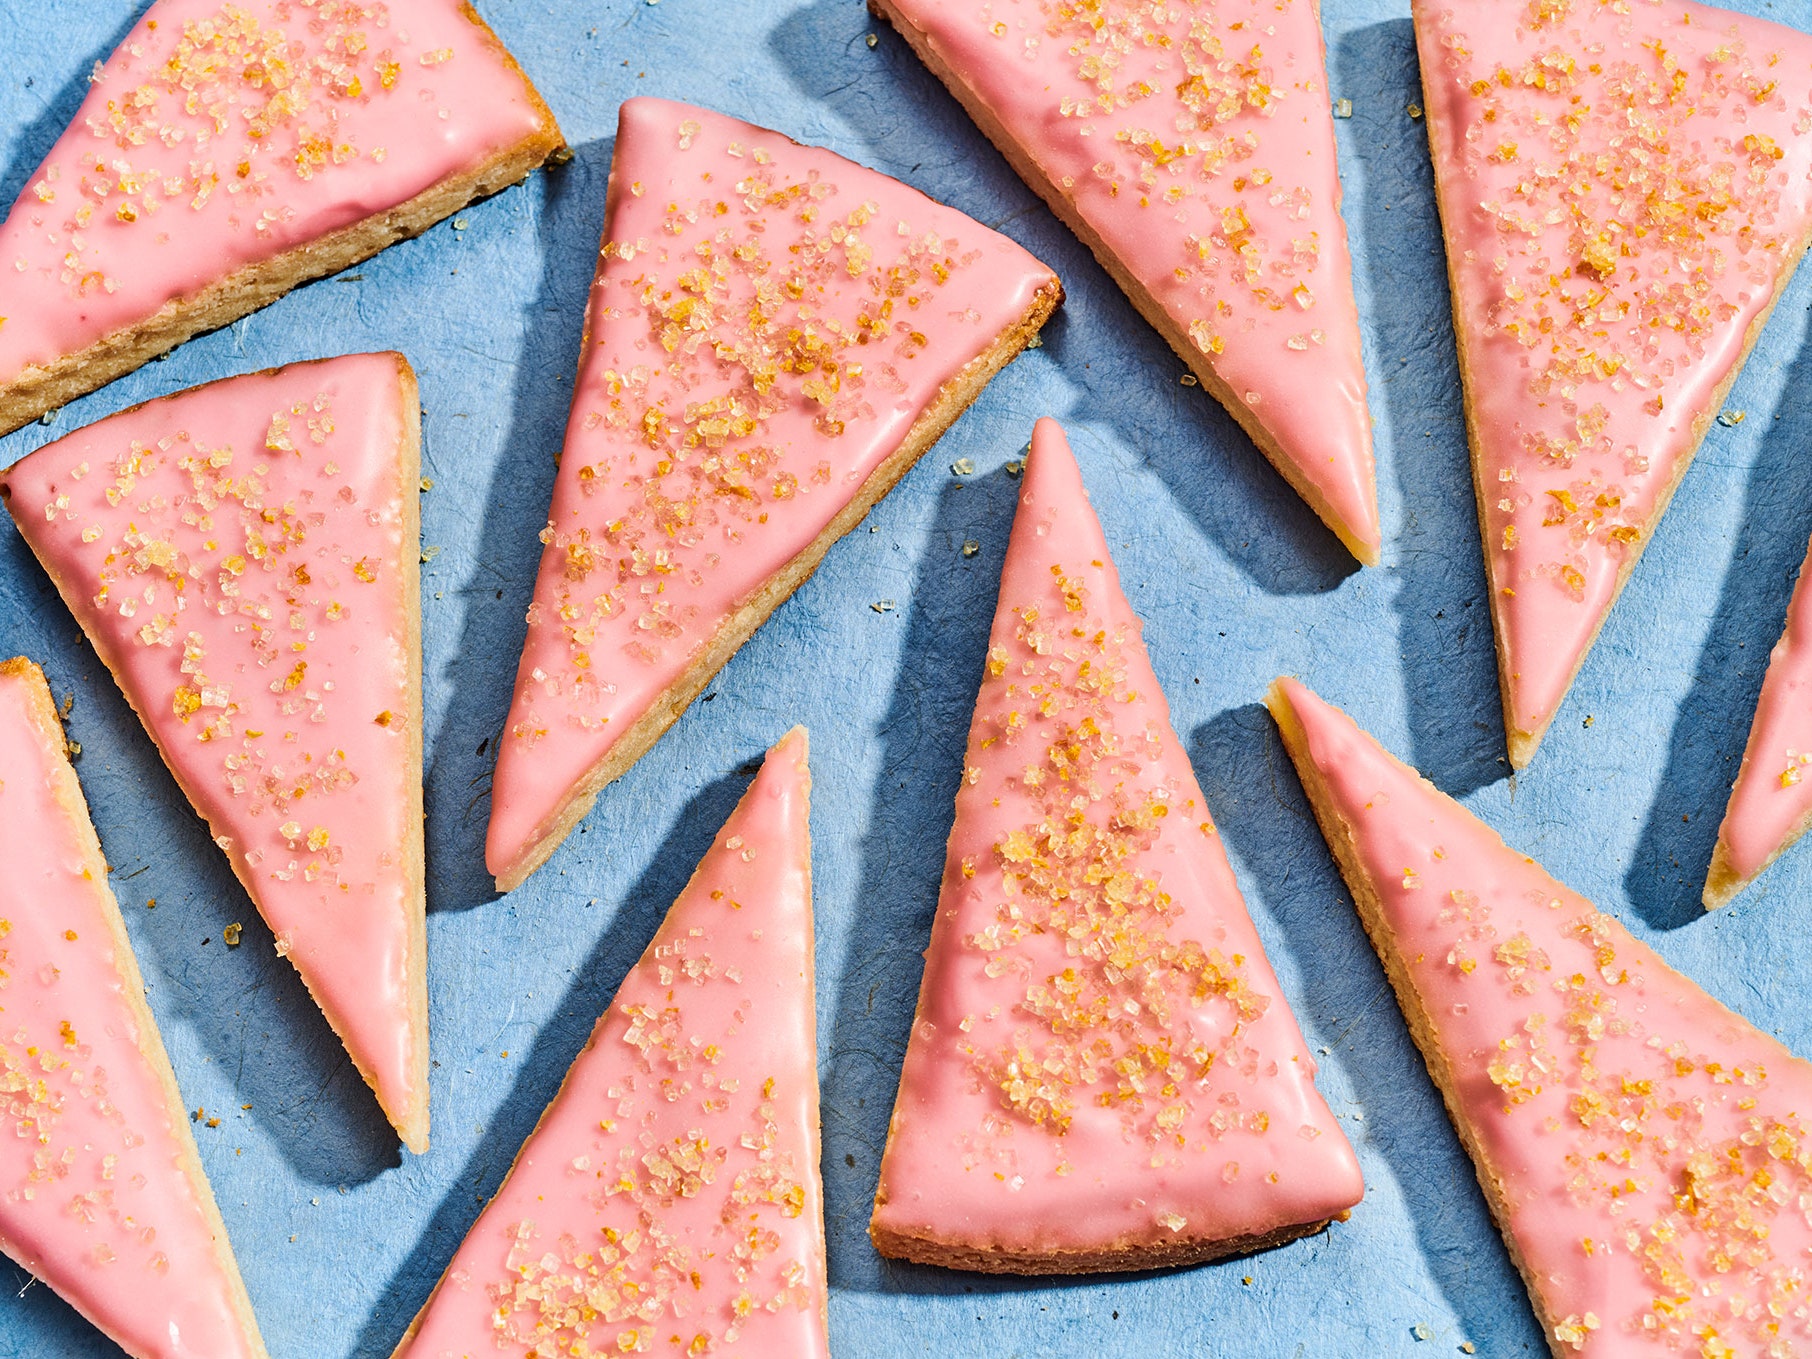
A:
x: 341, y: 1235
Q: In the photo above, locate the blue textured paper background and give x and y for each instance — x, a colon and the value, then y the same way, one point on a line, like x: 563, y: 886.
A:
x: 341, y: 1236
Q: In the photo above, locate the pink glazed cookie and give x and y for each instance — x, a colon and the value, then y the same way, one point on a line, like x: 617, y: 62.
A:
x: 1190, y: 144
x: 102, y: 1194
x: 1645, y: 1152
x: 228, y: 152
x: 244, y: 558
x: 668, y: 1202
x: 775, y: 336
x: 1625, y: 189
x: 1103, y: 1073
x: 1771, y: 803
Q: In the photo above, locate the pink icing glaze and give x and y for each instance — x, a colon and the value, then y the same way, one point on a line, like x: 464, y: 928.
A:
x: 1073, y: 944
x: 672, y: 1185
x: 1196, y: 140
x: 767, y: 322
x: 1653, y: 1147
x: 221, y: 134
x: 236, y: 555
x: 1621, y: 189
x: 93, y: 1198
x: 1773, y: 792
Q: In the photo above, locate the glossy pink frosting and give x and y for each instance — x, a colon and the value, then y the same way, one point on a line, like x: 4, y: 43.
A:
x: 767, y: 322
x: 1196, y: 139
x: 1621, y: 187
x: 93, y: 1198
x: 1653, y: 1147
x: 236, y: 555
x: 1102, y: 1057
x: 1773, y: 792
x: 668, y: 1202
x: 219, y: 135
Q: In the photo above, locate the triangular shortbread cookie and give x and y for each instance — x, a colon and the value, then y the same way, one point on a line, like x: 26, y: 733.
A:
x: 244, y: 558
x: 229, y: 150
x: 668, y: 1202
x: 1771, y: 805
x: 1103, y: 1073
x: 102, y: 1194
x: 1191, y: 147
x: 1646, y: 1153
x: 1624, y: 189
x: 775, y: 335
